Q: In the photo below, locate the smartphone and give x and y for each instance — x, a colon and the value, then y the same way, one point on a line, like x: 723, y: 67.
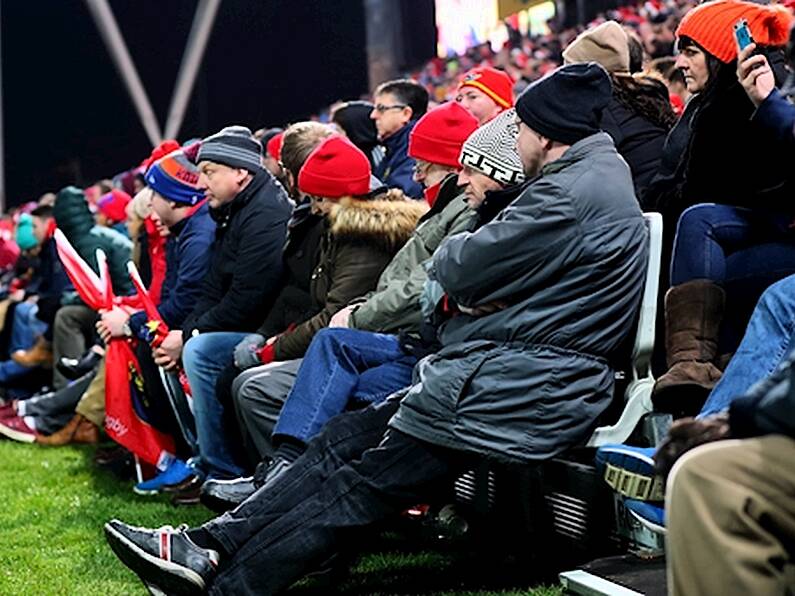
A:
x: 743, y: 34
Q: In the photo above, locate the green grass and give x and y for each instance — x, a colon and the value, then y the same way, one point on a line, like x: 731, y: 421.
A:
x: 54, y: 503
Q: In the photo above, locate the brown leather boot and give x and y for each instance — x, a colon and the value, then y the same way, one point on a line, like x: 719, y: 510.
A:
x: 78, y: 430
x: 39, y: 355
x: 693, y: 312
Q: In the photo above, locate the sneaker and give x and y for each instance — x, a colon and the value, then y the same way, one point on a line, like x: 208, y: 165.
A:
x: 630, y: 471
x: 268, y: 471
x: 15, y: 428
x: 224, y: 495
x: 176, y: 472
x: 650, y: 516
x: 8, y: 410
x: 165, y: 558
x: 74, y: 368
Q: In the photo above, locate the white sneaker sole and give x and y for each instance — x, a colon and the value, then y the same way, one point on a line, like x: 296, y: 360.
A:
x: 656, y: 528
x: 16, y: 435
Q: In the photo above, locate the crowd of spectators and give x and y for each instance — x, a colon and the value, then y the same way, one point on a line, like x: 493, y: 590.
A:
x: 310, y: 330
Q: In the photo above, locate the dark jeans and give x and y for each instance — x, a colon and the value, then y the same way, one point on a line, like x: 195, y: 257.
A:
x: 353, y: 474
x: 732, y: 244
x: 342, y: 367
x: 743, y: 250
x: 26, y: 328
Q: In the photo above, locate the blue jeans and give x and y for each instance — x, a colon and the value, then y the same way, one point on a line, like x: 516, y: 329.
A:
x: 768, y: 340
x: 732, y: 245
x: 26, y: 328
x: 205, y: 357
x: 342, y: 367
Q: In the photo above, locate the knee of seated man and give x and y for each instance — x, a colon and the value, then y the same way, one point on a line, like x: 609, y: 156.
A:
x: 198, y: 347
x: 719, y: 462
x: 699, y: 217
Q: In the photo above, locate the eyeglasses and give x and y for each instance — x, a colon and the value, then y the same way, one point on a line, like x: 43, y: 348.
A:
x: 381, y: 108
x: 421, y: 168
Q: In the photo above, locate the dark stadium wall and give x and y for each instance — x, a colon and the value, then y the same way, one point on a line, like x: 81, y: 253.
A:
x: 68, y: 118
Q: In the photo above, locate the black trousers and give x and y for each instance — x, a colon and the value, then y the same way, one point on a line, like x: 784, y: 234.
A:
x: 354, y: 473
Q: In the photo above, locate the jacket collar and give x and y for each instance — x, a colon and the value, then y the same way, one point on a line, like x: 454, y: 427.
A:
x: 224, y: 213
x: 497, y: 200
x: 599, y: 142
x: 177, y: 228
x: 399, y: 140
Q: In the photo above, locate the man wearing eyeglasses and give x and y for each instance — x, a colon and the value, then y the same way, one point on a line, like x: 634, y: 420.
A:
x: 398, y: 106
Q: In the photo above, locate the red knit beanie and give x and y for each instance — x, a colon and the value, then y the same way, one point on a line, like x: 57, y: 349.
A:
x: 336, y: 168
x: 274, y: 146
x: 497, y: 84
x: 163, y: 149
x: 438, y: 135
x: 711, y: 25
x: 113, y: 205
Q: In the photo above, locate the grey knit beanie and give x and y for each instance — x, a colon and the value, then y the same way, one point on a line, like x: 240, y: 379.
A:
x: 233, y: 146
x: 491, y: 149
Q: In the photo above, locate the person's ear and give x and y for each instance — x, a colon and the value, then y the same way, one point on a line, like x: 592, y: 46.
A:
x: 408, y: 113
x: 242, y: 174
x: 290, y: 181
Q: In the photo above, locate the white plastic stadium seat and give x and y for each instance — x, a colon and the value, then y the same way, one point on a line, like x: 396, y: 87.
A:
x: 638, y: 393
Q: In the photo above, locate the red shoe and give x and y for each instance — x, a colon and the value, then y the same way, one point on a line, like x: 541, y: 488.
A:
x: 7, y: 411
x: 15, y: 428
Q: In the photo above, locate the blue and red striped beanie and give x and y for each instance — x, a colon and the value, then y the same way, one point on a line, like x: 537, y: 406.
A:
x: 175, y: 178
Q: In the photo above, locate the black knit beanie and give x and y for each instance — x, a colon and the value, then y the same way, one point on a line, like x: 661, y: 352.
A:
x: 566, y: 105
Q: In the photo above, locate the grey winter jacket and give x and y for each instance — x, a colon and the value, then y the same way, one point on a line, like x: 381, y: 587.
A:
x: 569, y: 257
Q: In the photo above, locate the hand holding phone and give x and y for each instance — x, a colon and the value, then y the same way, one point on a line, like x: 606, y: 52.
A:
x: 743, y: 34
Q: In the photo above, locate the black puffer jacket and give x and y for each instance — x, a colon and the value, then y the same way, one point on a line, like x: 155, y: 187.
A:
x: 246, y: 269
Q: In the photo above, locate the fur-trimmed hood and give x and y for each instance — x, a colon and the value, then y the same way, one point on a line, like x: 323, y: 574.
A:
x: 387, y: 221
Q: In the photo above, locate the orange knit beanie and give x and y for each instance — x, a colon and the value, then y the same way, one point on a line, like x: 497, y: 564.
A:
x: 711, y: 25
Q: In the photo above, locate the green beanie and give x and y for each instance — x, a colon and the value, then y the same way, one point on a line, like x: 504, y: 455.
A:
x: 25, y: 238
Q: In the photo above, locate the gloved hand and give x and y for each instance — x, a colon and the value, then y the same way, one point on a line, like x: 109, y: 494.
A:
x: 246, y: 352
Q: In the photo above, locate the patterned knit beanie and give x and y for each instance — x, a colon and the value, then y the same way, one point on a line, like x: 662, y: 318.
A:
x: 491, y: 149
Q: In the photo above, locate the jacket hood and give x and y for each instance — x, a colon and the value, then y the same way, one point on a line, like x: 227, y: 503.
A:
x: 387, y: 222
x: 354, y: 118
x: 71, y: 212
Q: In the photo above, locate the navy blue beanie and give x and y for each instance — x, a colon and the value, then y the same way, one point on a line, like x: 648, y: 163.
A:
x: 566, y: 105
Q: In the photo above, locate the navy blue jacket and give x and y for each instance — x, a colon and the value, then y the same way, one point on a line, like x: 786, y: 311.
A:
x: 50, y: 281
x: 769, y: 406
x: 396, y: 170
x: 188, y: 254
x: 777, y: 116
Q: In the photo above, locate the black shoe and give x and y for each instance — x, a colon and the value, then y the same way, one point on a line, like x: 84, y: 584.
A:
x: 165, y: 559
x: 73, y: 368
x: 224, y: 495
x: 116, y: 460
x: 186, y: 493
x: 267, y: 471
x: 190, y: 483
